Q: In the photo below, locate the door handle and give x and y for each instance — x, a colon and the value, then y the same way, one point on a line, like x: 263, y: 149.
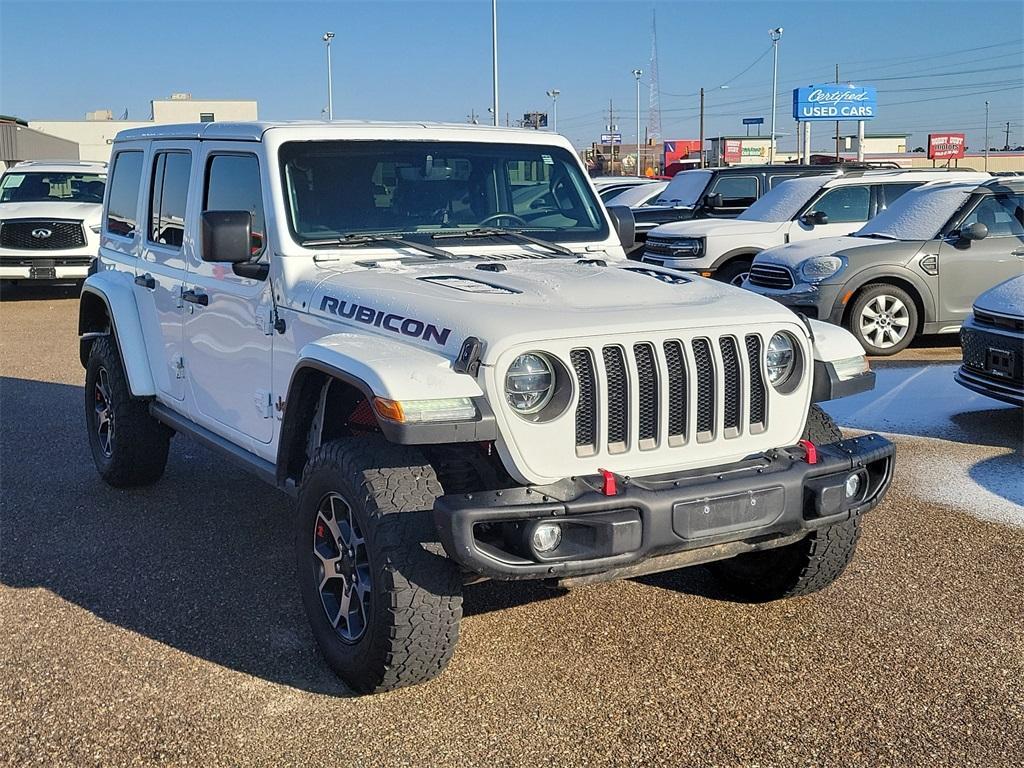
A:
x: 193, y: 296
x: 1019, y: 253
x: 146, y: 281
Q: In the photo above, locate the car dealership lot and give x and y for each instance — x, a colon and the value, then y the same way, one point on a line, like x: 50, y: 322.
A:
x: 161, y: 625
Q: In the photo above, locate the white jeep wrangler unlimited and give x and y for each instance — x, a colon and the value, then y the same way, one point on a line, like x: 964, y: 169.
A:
x: 430, y: 335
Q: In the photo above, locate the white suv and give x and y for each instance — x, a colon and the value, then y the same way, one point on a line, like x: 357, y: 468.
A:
x: 805, y: 208
x: 50, y: 219
x: 429, y: 334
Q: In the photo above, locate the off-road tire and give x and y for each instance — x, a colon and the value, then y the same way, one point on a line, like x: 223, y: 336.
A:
x: 801, y: 568
x: 733, y: 271
x: 865, y: 299
x: 137, y: 451
x: 415, y: 602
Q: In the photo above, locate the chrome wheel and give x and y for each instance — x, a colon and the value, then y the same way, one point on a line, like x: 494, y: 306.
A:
x: 884, y: 321
x: 104, y: 413
x: 740, y: 278
x: 342, y: 567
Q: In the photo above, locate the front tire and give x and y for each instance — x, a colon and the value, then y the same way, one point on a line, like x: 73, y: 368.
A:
x: 383, y: 601
x: 805, y: 566
x: 884, y: 319
x: 129, y: 446
x: 734, y: 273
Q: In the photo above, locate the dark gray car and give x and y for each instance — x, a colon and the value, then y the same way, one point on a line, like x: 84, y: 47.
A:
x: 915, y: 268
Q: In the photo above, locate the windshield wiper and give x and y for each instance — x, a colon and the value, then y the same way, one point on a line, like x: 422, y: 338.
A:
x: 504, y: 232
x: 880, y: 236
x: 393, y: 238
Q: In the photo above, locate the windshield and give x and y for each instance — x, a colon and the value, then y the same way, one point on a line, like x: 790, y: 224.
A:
x: 786, y: 200
x: 918, y: 214
x: 685, y: 188
x: 421, y: 188
x: 41, y: 187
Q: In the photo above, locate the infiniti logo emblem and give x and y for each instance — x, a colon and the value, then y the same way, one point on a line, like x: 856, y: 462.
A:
x: 42, y: 233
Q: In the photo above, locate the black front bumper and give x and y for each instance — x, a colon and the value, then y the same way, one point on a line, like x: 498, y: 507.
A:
x: 764, y: 501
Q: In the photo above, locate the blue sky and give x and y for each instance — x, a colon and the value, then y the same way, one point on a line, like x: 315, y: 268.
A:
x: 431, y: 60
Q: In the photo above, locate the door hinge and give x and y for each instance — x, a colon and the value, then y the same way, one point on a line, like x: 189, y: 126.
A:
x: 264, y: 403
x: 179, y: 368
x: 265, y: 319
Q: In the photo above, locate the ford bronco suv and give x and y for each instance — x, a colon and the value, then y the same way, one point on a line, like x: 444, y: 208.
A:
x: 453, y: 386
x: 50, y: 219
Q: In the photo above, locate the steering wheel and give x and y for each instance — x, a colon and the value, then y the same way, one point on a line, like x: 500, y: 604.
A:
x: 499, y: 216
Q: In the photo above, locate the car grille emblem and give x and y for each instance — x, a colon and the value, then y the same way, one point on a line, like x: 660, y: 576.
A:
x: 42, y: 233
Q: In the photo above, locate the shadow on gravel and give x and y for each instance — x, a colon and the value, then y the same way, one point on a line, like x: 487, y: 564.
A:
x: 1002, y: 475
x: 28, y: 291
x: 201, y: 561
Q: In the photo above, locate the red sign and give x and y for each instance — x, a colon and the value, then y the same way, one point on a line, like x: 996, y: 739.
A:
x: 732, y: 151
x: 945, y: 146
x: 679, y: 149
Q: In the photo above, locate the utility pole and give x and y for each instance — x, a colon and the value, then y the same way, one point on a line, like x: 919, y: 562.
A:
x: 1006, y: 147
x: 986, y: 136
x: 637, y: 74
x: 776, y: 35
x: 837, y: 122
x: 611, y: 137
x: 328, y: 36
x: 471, y: 118
x: 702, y: 128
x: 494, y: 60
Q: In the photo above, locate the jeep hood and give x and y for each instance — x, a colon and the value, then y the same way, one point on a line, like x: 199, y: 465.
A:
x: 793, y: 254
x: 51, y: 210
x: 439, y: 304
x: 716, y: 228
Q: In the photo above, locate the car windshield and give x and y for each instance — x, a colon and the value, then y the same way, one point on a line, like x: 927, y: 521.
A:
x: 918, y: 214
x: 43, y: 186
x: 685, y: 188
x: 641, y: 194
x: 785, y: 201
x: 418, y: 189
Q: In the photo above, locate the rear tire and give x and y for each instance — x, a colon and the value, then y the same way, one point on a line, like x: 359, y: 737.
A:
x: 803, y: 567
x: 383, y: 601
x: 884, y: 319
x: 129, y: 446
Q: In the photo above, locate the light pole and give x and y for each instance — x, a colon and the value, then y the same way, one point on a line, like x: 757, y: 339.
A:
x: 986, y: 136
x: 637, y: 74
x: 553, y: 94
x: 776, y: 35
x: 494, y: 59
x: 328, y: 36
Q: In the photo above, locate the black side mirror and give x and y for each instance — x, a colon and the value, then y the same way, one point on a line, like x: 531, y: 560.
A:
x: 625, y: 224
x: 977, y: 231
x: 714, y: 201
x: 227, y: 236
x: 815, y: 218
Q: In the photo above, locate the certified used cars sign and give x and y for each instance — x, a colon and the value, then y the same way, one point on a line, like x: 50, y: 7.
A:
x: 835, y: 102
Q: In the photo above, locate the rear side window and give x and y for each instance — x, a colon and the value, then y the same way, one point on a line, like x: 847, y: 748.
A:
x: 233, y: 184
x: 168, y: 197
x: 844, y: 205
x: 892, y: 192
x: 736, y: 191
x: 774, y: 181
x: 123, y: 205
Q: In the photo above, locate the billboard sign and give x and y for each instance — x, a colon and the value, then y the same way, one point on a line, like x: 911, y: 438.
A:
x: 753, y: 121
x: 835, y: 102
x: 946, y: 146
x: 611, y: 138
x: 732, y: 150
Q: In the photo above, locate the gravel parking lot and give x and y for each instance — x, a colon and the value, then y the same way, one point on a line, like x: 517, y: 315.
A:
x: 161, y: 626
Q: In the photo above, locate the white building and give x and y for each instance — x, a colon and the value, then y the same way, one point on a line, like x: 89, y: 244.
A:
x: 96, y: 133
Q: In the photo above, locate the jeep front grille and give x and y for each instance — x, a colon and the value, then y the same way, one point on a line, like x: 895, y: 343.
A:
x: 770, y: 276
x: 59, y: 235
x: 672, y: 390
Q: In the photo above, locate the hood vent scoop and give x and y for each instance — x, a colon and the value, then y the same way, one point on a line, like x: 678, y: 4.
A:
x: 665, y: 277
x: 516, y: 256
x: 468, y: 285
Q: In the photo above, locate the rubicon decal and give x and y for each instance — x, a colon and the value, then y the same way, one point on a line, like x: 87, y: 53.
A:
x: 378, y: 318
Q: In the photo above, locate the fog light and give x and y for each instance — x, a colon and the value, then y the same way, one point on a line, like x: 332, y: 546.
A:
x: 546, y: 537
x: 852, y: 486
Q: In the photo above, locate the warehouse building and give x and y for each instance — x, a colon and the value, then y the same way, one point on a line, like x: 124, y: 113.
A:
x: 19, y: 142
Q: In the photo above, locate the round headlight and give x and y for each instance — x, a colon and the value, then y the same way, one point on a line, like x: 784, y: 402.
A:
x: 781, y: 359
x: 530, y: 382
x: 820, y: 267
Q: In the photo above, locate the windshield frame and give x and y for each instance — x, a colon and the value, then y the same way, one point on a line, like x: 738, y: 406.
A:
x: 600, y: 234
x: 68, y: 175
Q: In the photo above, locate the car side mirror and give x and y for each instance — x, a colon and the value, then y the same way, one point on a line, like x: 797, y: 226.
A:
x: 977, y: 231
x: 815, y: 218
x: 226, y: 236
x: 714, y: 201
x: 625, y: 224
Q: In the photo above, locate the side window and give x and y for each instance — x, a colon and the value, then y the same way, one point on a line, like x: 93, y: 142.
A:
x: 168, y: 197
x: 736, y: 191
x: 122, y: 209
x: 233, y: 184
x: 1002, y: 214
x: 774, y: 181
x: 845, y: 205
x: 892, y: 192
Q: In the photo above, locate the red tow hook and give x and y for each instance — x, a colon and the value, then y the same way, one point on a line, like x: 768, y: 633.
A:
x: 811, y: 451
x: 608, y: 487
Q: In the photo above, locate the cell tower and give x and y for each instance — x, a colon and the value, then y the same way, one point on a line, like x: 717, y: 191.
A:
x: 654, y: 97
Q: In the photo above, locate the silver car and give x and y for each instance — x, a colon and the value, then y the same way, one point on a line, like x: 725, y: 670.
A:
x: 915, y: 268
